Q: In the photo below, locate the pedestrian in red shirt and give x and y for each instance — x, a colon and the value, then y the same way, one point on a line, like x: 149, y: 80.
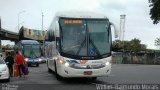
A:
x: 20, y: 61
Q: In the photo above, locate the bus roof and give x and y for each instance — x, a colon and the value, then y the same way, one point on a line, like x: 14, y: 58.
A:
x: 79, y: 14
x: 29, y: 42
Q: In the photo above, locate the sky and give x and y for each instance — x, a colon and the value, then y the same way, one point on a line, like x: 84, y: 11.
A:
x: 138, y: 23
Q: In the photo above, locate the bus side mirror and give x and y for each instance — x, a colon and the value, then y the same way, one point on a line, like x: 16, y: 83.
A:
x: 115, y: 30
x: 56, y: 31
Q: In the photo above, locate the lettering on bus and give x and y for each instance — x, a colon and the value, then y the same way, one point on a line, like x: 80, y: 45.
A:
x: 73, y: 21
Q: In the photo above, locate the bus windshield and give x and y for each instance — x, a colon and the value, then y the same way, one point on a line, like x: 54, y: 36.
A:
x: 87, y: 37
x: 32, y: 51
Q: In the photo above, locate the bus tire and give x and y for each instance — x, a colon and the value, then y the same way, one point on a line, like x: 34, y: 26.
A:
x: 29, y: 65
x: 94, y: 78
x: 8, y: 80
x: 37, y: 65
x: 58, y: 77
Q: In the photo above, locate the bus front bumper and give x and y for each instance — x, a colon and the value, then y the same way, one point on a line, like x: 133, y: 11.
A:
x: 71, y: 72
x: 32, y: 62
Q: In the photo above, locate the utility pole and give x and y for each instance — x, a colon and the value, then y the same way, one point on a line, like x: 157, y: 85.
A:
x: 0, y: 23
x: 42, y: 20
x: 0, y: 37
x: 19, y: 16
x: 43, y: 37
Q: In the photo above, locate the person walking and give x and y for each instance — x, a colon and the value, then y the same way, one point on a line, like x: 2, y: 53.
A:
x: 20, y: 61
x: 10, y: 61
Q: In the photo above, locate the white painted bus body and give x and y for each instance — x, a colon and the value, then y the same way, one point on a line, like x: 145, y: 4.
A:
x: 70, y: 67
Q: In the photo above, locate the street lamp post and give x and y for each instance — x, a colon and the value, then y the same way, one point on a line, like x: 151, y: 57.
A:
x: 19, y: 16
x: 43, y: 35
x: 0, y: 38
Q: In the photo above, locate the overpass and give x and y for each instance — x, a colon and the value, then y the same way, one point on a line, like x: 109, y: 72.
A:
x: 32, y: 34
x: 8, y: 35
x: 23, y: 34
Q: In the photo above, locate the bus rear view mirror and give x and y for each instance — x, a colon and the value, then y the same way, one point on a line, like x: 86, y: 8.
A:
x: 115, y: 30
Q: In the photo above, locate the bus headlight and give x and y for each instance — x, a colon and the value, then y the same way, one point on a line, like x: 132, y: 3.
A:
x: 26, y: 59
x: 66, y: 64
x: 107, y: 63
x: 61, y: 61
x: 39, y: 59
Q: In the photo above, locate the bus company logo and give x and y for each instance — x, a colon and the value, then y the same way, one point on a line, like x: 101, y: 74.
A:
x: 83, y: 61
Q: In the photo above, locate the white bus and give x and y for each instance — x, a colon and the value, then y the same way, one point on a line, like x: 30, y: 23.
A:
x: 81, y: 45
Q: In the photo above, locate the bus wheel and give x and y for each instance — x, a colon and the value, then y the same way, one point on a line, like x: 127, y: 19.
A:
x: 94, y: 78
x: 8, y: 80
x: 58, y: 77
x: 37, y: 65
x: 29, y: 65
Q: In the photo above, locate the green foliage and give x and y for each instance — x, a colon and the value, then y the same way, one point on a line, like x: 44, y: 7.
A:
x: 155, y: 10
x: 157, y: 42
x: 133, y: 45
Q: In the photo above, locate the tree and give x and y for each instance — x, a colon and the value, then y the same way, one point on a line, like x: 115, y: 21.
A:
x: 143, y: 47
x: 133, y: 45
x: 155, y: 10
x: 157, y: 42
x: 118, y: 45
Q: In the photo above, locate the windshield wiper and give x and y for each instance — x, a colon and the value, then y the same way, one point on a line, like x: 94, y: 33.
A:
x: 82, y: 44
x: 34, y: 54
x: 94, y: 46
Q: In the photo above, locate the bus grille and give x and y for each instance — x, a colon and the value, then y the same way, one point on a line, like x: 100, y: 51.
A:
x: 87, y: 66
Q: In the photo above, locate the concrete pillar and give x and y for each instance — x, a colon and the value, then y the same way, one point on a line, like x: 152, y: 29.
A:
x: 0, y: 38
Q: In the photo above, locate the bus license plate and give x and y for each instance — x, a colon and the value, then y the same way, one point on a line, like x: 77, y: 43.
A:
x: 87, y: 73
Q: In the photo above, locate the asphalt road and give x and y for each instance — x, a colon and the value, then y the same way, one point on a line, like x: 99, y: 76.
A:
x: 40, y: 79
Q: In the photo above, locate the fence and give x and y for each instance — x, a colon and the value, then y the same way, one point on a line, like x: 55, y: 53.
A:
x: 136, y: 58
